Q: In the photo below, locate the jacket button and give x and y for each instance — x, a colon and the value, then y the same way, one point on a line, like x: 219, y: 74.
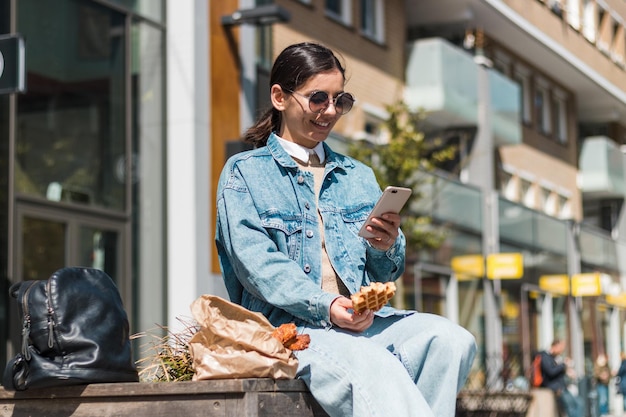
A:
x: 307, y: 268
x: 300, y: 179
x: 309, y: 233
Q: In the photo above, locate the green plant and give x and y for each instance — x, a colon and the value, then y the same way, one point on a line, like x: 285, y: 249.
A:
x: 403, y: 160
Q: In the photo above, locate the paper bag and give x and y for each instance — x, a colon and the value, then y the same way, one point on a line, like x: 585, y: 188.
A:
x: 234, y: 342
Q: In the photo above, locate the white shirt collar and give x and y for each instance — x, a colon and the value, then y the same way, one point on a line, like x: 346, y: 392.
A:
x: 301, y: 152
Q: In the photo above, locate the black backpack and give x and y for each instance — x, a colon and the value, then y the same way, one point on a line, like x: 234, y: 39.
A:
x: 74, y: 331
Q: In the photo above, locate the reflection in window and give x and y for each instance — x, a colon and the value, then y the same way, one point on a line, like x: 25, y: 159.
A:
x: 98, y: 249
x: 71, y: 127
x: 40, y: 258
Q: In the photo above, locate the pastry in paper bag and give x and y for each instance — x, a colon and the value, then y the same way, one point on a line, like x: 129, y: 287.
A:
x: 234, y: 342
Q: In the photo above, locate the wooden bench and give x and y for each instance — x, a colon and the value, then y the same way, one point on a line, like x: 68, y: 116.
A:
x: 262, y: 397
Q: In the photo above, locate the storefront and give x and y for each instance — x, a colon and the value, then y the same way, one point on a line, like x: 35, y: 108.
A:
x: 569, y: 288
x: 82, y: 151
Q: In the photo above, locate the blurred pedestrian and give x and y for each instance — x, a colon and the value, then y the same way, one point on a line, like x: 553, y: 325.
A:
x: 556, y: 371
x: 621, y: 375
x: 602, y: 378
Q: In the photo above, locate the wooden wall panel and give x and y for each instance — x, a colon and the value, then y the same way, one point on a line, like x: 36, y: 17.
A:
x: 224, y: 100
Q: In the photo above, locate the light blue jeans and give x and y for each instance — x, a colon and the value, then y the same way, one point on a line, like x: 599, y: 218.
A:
x: 401, y: 366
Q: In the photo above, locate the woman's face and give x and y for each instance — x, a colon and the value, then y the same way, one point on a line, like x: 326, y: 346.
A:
x: 299, y: 123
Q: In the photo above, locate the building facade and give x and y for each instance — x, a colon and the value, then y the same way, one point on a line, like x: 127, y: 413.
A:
x: 111, y: 157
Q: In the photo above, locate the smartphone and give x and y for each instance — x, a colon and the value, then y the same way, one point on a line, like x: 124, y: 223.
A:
x: 392, y: 200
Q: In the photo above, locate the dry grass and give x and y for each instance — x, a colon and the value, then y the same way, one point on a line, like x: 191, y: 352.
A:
x: 170, y: 359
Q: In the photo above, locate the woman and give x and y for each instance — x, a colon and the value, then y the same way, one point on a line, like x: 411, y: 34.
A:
x: 288, y: 218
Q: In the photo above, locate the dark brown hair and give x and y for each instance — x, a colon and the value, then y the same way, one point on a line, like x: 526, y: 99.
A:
x: 292, y: 68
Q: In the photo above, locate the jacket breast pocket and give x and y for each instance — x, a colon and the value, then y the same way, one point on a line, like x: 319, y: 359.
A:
x: 285, y: 229
x: 355, y: 217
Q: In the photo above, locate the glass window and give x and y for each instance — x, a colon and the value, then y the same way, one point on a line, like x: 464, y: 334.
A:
x: 573, y: 13
x: 542, y: 110
x: 549, y: 201
x: 98, y: 249
x: 508, y: 186
x: 340, y: 10
x: 334, y: 6
x: 71, y: 124
x: 523, y: 81
x: 528, y: 193
x: 565, y: 207
x: 589, y: 20
x: 372, y: 22
x: 153, y: 9
x: 516, y: 222
x: 605, y: 30
x: 40, y: 258
x: 472, y: 317
x: 559, y: 110
x: 148, y: 68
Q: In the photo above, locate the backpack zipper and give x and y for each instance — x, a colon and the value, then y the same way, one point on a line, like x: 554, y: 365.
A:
x: 50, y: 317
x: 26, y: 322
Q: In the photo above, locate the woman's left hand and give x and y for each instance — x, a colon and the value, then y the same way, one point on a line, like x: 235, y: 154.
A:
x: 385, y: 231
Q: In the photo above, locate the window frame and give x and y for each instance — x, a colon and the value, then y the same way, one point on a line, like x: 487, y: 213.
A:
x: 345, y: 14
x: 559, y: 114
x: 543, y: 114
x: 377, y: 22
x: 521, y: 75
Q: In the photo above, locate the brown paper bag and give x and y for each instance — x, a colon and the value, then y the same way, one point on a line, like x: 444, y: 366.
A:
x: 234, y: 342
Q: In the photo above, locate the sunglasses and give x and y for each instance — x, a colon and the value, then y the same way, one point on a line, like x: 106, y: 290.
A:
x: 319, y: 101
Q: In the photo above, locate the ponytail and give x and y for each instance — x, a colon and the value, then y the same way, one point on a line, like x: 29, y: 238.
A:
x: 258, y: 134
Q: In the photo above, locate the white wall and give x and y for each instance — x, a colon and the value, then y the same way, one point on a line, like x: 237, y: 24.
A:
x: 190, y: 236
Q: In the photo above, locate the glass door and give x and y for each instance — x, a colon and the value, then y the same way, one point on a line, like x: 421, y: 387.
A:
x: 48, y: 239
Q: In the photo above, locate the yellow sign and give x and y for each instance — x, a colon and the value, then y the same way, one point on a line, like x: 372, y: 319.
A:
x: 617, y: 300
x: 468, y: 266
x: 505, y: 266
x: 586, y: 284
x: 555, y: 284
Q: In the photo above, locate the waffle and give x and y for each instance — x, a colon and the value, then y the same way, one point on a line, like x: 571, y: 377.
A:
x: 373, y: 297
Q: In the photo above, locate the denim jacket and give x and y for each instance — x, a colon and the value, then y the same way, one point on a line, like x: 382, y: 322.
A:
x: 267, y: 234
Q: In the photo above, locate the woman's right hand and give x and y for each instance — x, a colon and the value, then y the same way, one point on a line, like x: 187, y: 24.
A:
x: 342, y: 315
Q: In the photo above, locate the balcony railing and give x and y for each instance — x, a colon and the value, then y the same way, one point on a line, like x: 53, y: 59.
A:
x: 602, y: 169
x: 442, y: 80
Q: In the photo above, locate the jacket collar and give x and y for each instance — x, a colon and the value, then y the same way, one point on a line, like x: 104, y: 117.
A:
x: 333, y: 160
